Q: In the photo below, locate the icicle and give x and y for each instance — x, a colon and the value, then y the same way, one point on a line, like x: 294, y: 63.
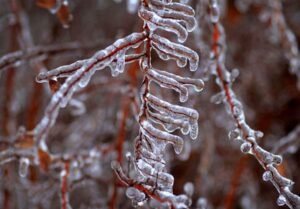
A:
x: 198, y: 84
x: 173, y: 7
x: 176, y: 50
x: 170, y: 124
x: 159, y: 135
x: 170, y: 83
x: 165, y: 24
x: 176, y: 110
x: 154, y: 177
x: 120, y: 67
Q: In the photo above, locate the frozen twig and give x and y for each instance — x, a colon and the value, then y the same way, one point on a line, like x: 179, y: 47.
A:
x: 243, y: 131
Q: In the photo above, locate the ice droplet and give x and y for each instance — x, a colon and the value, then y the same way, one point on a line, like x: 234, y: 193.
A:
x: 234, y: 74
x: 246, y: 147
x: 267, y: 176
x: 281, y: 201
x: 201, y: 203
x: 215, y: 12
x: 189, y: 188
x: 234, y: 134
x: 277, y: 159
x: 23, y: 167
x: 132, y: 6
x: 258, y: 134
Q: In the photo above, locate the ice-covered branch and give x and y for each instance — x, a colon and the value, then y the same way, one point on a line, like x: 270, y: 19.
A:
x: 243, y: 131
x: 158, y: 119
x: 14, y: 58
x: 81, y: 77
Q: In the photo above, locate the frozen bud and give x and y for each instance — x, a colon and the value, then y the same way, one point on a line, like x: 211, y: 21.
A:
x: 267, y: 176
x: 281, y: 201
x: 189, y: 188
x: 246, y: 147
x: 23, y: 167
